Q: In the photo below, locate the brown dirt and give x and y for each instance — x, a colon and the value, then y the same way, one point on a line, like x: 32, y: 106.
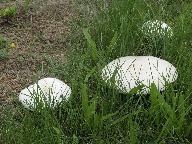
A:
x: 42, y: 32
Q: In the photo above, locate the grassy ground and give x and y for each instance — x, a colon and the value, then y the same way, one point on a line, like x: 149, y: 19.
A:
x: 39, y: 34
x: 103, y: 31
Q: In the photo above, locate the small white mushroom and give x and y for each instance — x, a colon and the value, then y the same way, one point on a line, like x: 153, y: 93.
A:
x: 156, y: 28
x: 49, y: 91
x: 131, y: 71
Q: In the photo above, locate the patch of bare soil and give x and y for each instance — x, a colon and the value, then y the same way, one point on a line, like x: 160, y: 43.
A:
x: 42, y: 31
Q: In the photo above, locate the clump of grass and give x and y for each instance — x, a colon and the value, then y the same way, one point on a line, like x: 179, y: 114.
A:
x: 3, y: 48
x: 27, y: 5
x: 96, y: 113
x: 8, y: 12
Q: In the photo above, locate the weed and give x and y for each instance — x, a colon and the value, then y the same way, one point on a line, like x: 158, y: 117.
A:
x: 8, y: 12
x: 3, y: 48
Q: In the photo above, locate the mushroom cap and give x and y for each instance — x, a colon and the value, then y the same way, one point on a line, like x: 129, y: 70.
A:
x: 48, y: 90
x: 157, y: 28
x: 131, y: 71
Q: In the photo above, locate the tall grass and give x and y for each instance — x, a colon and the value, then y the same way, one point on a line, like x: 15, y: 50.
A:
x: 96, y: 113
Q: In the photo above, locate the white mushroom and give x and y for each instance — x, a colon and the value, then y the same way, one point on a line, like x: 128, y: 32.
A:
x: 131, y: 71
x: 156, y: 28
x: 49, y: 91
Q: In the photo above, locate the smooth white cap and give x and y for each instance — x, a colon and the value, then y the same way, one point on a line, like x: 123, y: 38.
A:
x: 48, y: 90
x: 157, y: 28
x: 131, y: 71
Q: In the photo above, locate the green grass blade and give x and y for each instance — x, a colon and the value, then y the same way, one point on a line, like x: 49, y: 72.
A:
x: 92, y: 45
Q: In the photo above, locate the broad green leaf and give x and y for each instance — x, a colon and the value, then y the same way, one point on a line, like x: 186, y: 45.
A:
x: 133, y: 130
x: 181, y: 104
x: 166, y: 108
x: 57, y: 130
x: 113, y: 42
x: 91, y: 108
x: 92, y: 44
x: 84, y: 97
x: 154, y: 93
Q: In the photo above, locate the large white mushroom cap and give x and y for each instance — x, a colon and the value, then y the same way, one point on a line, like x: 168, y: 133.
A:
x: 131, y: 71
x: 48, y: 90
x: 154, y: 28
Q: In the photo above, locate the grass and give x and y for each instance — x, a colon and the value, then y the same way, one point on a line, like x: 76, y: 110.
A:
x: 96, y: 113
x: 8, y: 12
x: 3, y: 48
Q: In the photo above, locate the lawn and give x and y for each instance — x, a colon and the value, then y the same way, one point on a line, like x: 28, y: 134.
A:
x: 73, y: 41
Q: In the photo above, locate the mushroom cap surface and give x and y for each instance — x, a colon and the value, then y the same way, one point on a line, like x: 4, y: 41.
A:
x: 48, y: 90
x: 131, y: 71
x: 156, y: 28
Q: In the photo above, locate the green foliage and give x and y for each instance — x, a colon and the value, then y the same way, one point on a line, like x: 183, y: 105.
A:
x: 8, y: 12
x: 27, y: 5
x: 91, y: 44
x: 3, y: 48
x: 173, y: 113
x: 92, y: 118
